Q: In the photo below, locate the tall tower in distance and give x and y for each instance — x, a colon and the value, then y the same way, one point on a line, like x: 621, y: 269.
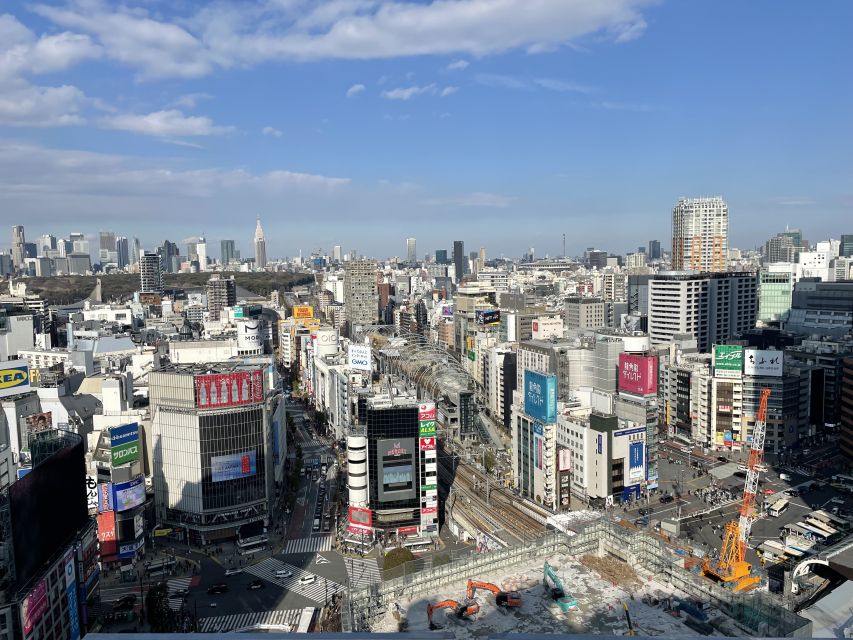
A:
x: 459, y: 260
x: 150, y: 273
x: 260, y: 247
x: 18, y: 240
x: 411, y: 250
x: 700, y: 235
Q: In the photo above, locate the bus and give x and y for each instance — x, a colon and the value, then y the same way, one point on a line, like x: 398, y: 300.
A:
x: 248, y: 546
x: 842, y: 482
x: 817, y: 534
x: 161, y: 567
x: 833, y: 521
x: 778, y: 508
x: 820, y: 526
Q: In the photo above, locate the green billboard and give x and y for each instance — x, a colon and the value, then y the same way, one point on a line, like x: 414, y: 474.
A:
x: 728, y: 360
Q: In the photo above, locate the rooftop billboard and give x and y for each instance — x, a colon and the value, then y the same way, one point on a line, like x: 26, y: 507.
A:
x: 638, y: 374
x: 540, y: 396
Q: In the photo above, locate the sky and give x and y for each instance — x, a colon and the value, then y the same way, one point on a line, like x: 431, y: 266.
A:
x: 503, y: 123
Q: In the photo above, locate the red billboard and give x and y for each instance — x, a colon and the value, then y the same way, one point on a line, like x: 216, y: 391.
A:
x: 638, y: 374
x: 362, y: 518
x: 426, y: 411
x: 107, y: 533
x: 425, y: 511
x: 407, y: 531
x: 34, y: 606
x: 220, y: 390
x: 427, y: 444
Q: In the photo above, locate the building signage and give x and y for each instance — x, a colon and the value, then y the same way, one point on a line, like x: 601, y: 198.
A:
x: 138, y: 525
x: 430, y: 467
x: 220, y: 390
x: 362, y: 518
x: 537, y: 429
x: 427, y: 444
x: 426, y: 411
x: 129, y: 550
x: 303, y: 311
x: 407, y: 531
x: 396, y: 449
x: 71, y: 595
x: 14, y: 378
x: 727, y: 438
x: 427, y: 428
x: 429, y: 487
x: 763, y: 362
x: 540, y: 396
x: 233, y: 466
x: 34, y: 606
x: 564, y: 460
x: 91, y: 493
x: 127, y: 495
x: 107, y: 533
x: 39, y: 422
x: 636, y: 461
x: 538, y: 461
x: 488, y: 316
x: 359, y: 357
x: 638, y: 374
x: 430, y: 454
x: 124, y: 443
x: 728, y: 360
x: 629, y: 432
x: 426, y: 511
x: 105, y: 497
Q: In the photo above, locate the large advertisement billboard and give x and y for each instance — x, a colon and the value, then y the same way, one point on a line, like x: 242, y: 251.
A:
x: 564, y: 460
x: 233, y: 466
x: 728, y: 360
x: 488, y: 316
x: 636, y: 461
x: 540, y: 396
x: 91, y: 493
x: 39, y: 422
x: 105, y: 497
x: 127, y: 495
x: 763, y: 362
x: 301, y: 312
x: 14, y: 378
x: 124, y: 443
x: 34, y: 606
x: 218, y: 390
x: 426, y: 420
x: 638, y: 374
x: 360, y: 517
x: 359, y: 357
x: 107, y: 533
x: 396, y: 464
x: 71, y: 595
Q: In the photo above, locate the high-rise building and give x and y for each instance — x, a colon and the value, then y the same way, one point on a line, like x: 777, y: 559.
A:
x: 336, y: 253
x: 700, y: 235
x: 79, y: 244
x: 221, y: 293
x: 846, y: 411
x: 150, y: 273
x: 584, y: 313
x: 846, y: 246
x: 361, y: 295
x: 107, y: 247
x: 411, y: 251
x: 46, y: 243
x: 169, y: 254
x: 441, y: 256
x: 654, y: 250
x: 712, y: 307
x: 122, y: 252
x: 459, y: 260
x: 260, y: 247
x: 18, y: 241
x: 228, y: 252
x: 775, y: 289
x: 201, y: 252
x: 135, y: 251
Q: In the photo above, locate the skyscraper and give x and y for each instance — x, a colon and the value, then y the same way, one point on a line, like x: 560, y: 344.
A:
x: 361, y: 295
x: 46, y: 243
x: 228, y: 252
x: 135, y: 251
x: 846, y: 246
x: 150, y: 273
x: 169, y: 253
x: 221, y: 293
x: 700, y: 235
x: 441, y: 256
x: 122, y: 252
x: 18, y: 241
x: 79, y: 244
x: 260, y: 247
x: 336, y: 253
x: 107, y: 247
x: 411, y: 250
x: 459, y: 259
x: 201, y: 252
x: 654, y: 250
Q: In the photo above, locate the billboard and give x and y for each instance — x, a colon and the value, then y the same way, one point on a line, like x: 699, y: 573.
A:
x: 34, y: 606
x: 105, y: 497
x: 71, y: 595
x: 219, y: 390
x: 39, y: 422
x: 124, y: 443
x: 638, y: 374
x: 564, y: 460
x: 488, y: 316
x: 540, y: 396
x: 138, y: 524
x: 127, y: 495
x: 303, y: 311
x: 359, y: 357
x: 728, y: 360
x: 447, y: 311
x: 129, y: 549
x: 427, y: 444
x: 763, y: 362
x: 361, y: 517
x: 107, y: 533
x: 91, y: 493
x: 636, y: 461
x: 396, y: 464
x: 538, y: 454
x: 233, y: 466
x: 426, y: 420
x: 14, y: 378
x: 727, y: 438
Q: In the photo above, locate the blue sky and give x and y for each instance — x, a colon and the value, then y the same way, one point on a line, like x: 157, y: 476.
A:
x: 504, y: 123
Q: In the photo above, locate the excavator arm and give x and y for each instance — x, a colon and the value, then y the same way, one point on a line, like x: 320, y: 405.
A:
x: 502, y: 598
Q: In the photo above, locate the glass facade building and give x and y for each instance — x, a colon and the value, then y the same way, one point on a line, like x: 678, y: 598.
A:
x: 774, y: 295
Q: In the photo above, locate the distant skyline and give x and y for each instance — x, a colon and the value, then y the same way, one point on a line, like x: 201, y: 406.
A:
x: 503, y: 124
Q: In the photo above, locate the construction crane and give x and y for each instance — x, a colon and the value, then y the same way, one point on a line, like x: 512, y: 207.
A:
x: 460, y: 609
x: 731, y: 569
x: 502, y: 598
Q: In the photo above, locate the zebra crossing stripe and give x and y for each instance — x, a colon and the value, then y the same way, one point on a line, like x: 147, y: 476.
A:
x: 173, y: 586
x: 246, y: 621
x: 310, y: 545
x: 319, y: 590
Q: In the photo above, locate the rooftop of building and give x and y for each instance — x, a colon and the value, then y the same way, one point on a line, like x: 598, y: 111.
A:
x: 197, y: 369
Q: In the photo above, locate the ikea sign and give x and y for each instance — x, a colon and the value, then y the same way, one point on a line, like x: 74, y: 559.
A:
x: 14, y: 378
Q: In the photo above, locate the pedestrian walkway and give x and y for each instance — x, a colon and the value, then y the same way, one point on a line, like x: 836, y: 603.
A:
x: 310, y: 545
x: 321, y: 590
x: 282, y: 620
x: 363, y: 572
x: 174, y: 585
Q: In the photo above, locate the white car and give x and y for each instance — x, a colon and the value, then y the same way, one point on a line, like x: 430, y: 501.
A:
x: 307, y: 579
x: 283, y: 573
x: 233, y: 572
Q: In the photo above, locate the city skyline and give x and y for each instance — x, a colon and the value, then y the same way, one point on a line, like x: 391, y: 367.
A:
x: 564, y: 118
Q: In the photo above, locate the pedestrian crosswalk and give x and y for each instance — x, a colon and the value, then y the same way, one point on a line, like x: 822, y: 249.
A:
x: 286, y: 620
x: 311, y: 544
x: 363, y: 572
x: 175, y: 585
x: 321, y: 590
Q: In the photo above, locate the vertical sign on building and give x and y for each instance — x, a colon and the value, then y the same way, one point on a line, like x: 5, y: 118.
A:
x: 728, y: 361
x: 71, y: 594
x: 427, y: 444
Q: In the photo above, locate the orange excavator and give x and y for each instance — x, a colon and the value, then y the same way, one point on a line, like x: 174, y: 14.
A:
x: 502, y: 598
x: 460, y: 609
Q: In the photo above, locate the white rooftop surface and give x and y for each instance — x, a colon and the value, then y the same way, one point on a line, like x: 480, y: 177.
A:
x: 832, y: 616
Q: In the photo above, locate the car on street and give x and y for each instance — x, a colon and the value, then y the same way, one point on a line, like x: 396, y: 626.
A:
x: 180, y: 593
x: 316, y: 526
x: 214, y: 589
x: 666, y: 499
x: 722, y: 458
x: 255, y: 584
x: 283, y: 573
x: 233, y: 572
x: 125, y: 602
x: 304, y: 580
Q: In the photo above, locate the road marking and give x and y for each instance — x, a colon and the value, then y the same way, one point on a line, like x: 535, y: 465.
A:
x: 321, y: 560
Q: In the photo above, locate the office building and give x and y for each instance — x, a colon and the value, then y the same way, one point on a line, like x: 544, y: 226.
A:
x: 201, y: 254
x: 821, y: 308
x: 107, y: 248
x: 584, y: 313
x: 361, y: 294
x: 150, y: 273
x: 845, y: 249
x: 18, y: 242
x: 654, y: 250
x: 228, y: 252
x: 221, y: 293
x: 411, y: 250
x: 79, y: 244
x: 775, y: 289
x: 336, y: 253
x: 46, y: 243
x: 260, y: 247
x: 169, y: 255
x: 211, y: 460
x: 635, y: 260
x: 700, y: 235
x: 79, y: 264
x: 441, y: 256
x: 846, y: 412
x: 783, y: 247
x: 459, y: 259
x: 711, y: 307
x: 827, y: 357
x: 122, y: 252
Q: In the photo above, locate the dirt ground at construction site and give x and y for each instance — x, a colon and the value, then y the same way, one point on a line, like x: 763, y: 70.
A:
x: 600, y: 586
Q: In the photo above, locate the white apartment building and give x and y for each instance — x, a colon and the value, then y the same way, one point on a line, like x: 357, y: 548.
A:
x: 700, y: 234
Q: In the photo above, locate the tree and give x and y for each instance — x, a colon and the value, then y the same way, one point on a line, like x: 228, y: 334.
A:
x: 396, y: 557
x: 160, y: 615
x: 489, y: 460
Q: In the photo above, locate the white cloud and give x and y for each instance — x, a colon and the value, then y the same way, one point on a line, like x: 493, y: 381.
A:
x: 272, y: 131
x: 457, y: 65
x: 407, y: 93
x: 190, y: 100
x: 26, y: 105
x: 169, y: 123
x: 447, y: 91
x: 355, y: 90
x: 502, y: 81
x: 475, y: 199
x: 561, y: 85
x: 529, y: 84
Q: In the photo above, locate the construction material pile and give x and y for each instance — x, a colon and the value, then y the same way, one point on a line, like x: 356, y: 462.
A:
x: 613, y: 570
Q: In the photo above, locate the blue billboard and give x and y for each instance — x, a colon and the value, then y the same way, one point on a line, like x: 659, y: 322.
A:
x: 233, y: 466
x: 540, y: 396
x: 127, y: 495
